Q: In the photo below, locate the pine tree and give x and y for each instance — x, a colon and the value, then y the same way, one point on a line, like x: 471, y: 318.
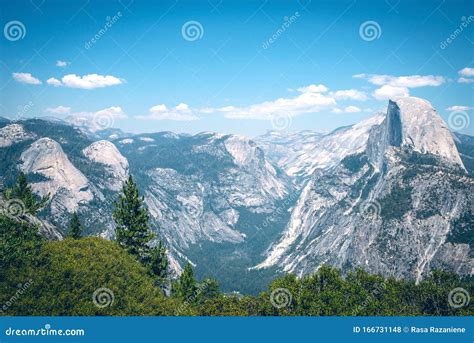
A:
x: 131, y: 217
x: 185, y: 288
x: 75, y: 227
x: 157, y: 262
x: 22, y: 191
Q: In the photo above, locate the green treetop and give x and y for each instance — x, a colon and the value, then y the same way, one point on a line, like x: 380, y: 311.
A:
x: 22, y: 191
x: 75, y: 227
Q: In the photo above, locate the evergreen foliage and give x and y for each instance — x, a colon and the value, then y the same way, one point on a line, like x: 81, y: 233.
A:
x: 75, y: 227
x: 132, y: 219
x: 22, y: 191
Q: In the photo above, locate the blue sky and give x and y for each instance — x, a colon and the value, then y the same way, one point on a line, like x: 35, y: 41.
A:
x: 252, y: 66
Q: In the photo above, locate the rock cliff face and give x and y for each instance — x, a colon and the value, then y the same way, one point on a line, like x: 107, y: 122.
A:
x: 66, y: 185
x: 395, y: 207
x: 392, y: 194
x: 107, y: 154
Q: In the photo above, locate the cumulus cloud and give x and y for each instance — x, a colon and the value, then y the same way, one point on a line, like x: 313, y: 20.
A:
x: 465, y: 80
x: 181, y: 112
x: 466, y: 75
x: 398, y: 86
x: 312, y: 98
x: 59, y: 110
x: 89, y: 81
x: 53, y: 82
x: 61, y: 64
x: 308, y: 99
x: 313, y: 89
x: 115, y: 112
x: 390, y: 92
x: 410, y: 81
x: 459, y: 108
x: 469, y: 72
x: 350, y: 94
x: 348, y: 109
x: 26, y: 78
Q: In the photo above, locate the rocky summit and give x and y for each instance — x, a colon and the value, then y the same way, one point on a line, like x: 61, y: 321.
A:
x: 392, y: 194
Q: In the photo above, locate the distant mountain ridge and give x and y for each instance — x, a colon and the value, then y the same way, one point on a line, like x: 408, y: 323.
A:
x: 392, y: 194
x: 393, y: 208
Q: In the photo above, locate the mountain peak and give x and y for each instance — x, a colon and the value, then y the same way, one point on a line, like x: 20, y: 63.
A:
x: 414, y: 123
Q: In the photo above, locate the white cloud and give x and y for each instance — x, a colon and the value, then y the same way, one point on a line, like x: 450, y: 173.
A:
x: 391, y: 87
x: 390, y: 92
x: 411, y: 81
x: 352, y: 109
x: 348, y: 109
x: 465, y: 80
x: 62, y: 64
x: 115, y: 112
x: 351, y: 94
x: 469, y: 72
x: 182, y: 112
x: 310, y: 100
x: 59, y: 110
x: 53, y: 82
x: 98, y: 120
x: 26, y: 78
x: 89, y: 81
x: 313, y: 89
x: 459, y: 108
